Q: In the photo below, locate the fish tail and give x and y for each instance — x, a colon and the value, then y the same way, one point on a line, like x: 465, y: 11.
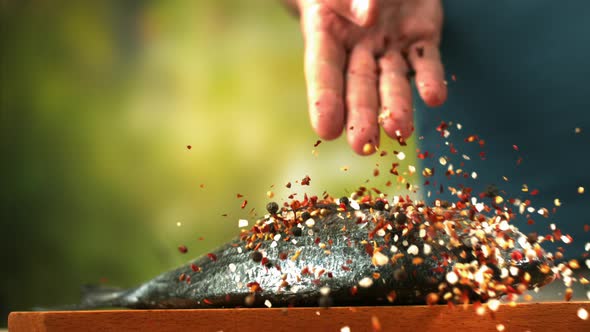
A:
x: 97, y: 296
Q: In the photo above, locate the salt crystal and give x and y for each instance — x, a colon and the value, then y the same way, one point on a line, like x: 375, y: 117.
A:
x: 580, y: 190
x: 366, y: 282
x: 582, y: 313
x: 273, y: 244
x: 267, y: 303
x: 452, y: 278
x: 277, y: 237
x: 401, y: 156
x: 422, y: 233
x: 325, y: 291
x: 242, y: 223
x: 310, y: 222
x: 393, y: 249
x: 500, y: 327
x: 354, y: 204
x: 379, y: 259
x: 474, y: 175
x: 587, y: 246
x: 493, y: 304
x: 345, y: 329
x: 413, y: 250
x: 232, y: 267
x: 442, y: 160
x: 427, y: 249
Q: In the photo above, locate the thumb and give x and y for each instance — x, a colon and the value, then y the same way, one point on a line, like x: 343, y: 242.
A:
x: 361, y: 12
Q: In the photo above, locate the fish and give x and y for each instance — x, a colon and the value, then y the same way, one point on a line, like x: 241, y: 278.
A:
x: 349, y: 254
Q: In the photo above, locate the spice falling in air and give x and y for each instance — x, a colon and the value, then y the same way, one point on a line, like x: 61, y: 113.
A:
x: 188, y: 147
x: 182, y: 249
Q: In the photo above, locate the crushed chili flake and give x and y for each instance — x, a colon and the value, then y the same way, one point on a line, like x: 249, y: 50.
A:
x: 182, y: 249
x: 318, y: 142
x: 189, y: 147
x: 244, y: 203
x: 212, y: 256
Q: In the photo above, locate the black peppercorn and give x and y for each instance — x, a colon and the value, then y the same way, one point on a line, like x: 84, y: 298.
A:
x: 344, y: 200
x: 379, y: 205
x: 297, y: 231
x: 305, y: 215
x: 256, y: 256
x: 532, y: 238
x: 272, y: 207
x: 401, y: 218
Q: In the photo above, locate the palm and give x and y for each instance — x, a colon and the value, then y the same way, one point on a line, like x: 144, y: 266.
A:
x: 357, y: 75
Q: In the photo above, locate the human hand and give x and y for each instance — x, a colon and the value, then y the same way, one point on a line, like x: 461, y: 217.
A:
x: 358, y: 54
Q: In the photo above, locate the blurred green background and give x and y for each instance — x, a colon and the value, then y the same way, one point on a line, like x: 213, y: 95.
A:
x: 99, y: 100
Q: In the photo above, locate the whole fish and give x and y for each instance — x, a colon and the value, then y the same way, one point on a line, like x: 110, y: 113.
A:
x: 350, y: 253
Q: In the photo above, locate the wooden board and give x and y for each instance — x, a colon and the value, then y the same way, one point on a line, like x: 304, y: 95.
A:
x: 530, y: 316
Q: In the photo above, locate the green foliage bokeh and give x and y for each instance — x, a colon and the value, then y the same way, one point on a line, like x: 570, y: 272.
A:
x: 99, y: 102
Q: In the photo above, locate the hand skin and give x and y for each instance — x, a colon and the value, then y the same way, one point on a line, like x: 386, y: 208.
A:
x: 358, y: 54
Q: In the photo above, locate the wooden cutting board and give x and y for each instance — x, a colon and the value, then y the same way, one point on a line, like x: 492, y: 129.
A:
x: 554, y: 316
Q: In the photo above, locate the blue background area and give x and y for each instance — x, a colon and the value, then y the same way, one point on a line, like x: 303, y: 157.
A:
x: 522, y: 71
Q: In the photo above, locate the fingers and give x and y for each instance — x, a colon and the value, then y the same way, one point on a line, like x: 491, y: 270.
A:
x: 396, y: 116
x: 361, y: 12
x: 324, y: 66
x: 425, y: 60
x: 362, y: 101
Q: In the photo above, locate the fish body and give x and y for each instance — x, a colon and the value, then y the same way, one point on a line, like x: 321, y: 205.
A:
x: 335, y: 255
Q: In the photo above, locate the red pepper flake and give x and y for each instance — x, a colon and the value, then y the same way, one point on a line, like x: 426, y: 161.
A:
x: 586, y: 228
x: 202, y: 185
x: 317, y: 143
x: 288, y: 185
x: 401, y: 141
x: 182, y: 249
x: 519, y: 161
x: 212, y: 256
x: 264, y: 261
x: 345, y: 268
x: 369, y: 249
x: 305, y: 181
x: 516, y: 255
x: 189, y: 147
x: 353, y: 290
x: 244, y: 203
x: 239, y: 195
x: 534, y: 192
x: 195, y: 268
x: 376, y: 172
x: 182, y: 277
x: 391, y: 296
x: 515, y: 147
x: 283, y: 256
x: 454, y: 77
x: 207, y: 301
x: 383, y: 153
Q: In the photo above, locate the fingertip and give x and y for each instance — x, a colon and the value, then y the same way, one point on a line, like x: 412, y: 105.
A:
x: 327, y: 116
x: 433, y: 94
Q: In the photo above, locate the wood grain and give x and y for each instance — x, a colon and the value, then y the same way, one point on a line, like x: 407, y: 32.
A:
x: 556, y: 316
